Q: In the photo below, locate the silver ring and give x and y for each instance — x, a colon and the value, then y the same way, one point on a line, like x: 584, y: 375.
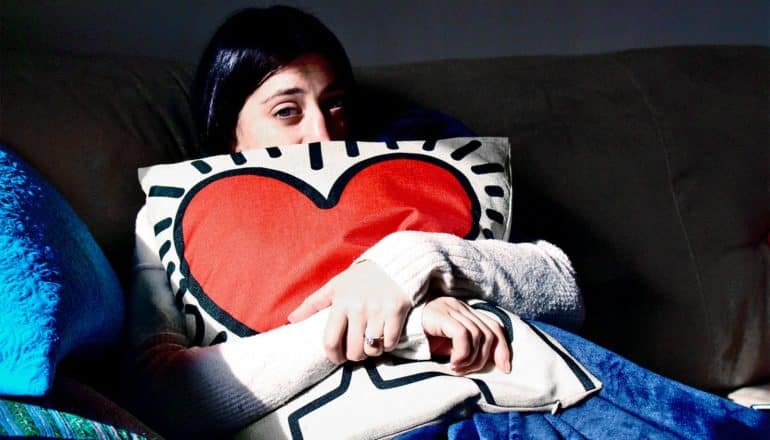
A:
x: 373, y: 342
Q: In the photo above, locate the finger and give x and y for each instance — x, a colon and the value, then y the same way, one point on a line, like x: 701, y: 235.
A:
x: 318, y: 300
x: 483, y: 345
x: 355, y: 336
x: 490, y: 339
x: 462, y: 344
x: 373, y: 339
x: 472, y: 338
x: 502, y: 350
x: 482, y: 339
x: 334, y: 334
x: 502, y: 355
x: 394, y: 325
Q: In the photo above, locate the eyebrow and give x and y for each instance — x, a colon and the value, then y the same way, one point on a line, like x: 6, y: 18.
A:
x: 334, y: 87
x: 285, y: 92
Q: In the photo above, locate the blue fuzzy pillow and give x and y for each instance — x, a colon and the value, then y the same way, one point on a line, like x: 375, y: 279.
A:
x: 58, y: 294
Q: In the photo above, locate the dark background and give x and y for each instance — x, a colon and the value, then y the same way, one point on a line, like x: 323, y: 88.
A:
x: 386, y: 32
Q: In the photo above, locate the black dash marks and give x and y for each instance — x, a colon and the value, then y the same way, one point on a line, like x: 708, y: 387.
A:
x: 487, y: 168
x: 162, y: 225
x: 170, y: 269
x: 238, y: 158
x: 316, y: 156
x: 273, y: 152
x: 392, y: 145
x: 166, y: 191
x: 351, y: 147
x: 219, y: 338
x: 494, y: 191
x: 495, y: 216
x: 487, y: 233
x: 429, y: 145
x: 190, y: 309
x: 164, y: 248
x: 180, y: 293
x: 470, y: 147
x: 201, y: 166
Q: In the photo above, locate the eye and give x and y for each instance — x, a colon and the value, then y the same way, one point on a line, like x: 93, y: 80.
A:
x: 287, y: 112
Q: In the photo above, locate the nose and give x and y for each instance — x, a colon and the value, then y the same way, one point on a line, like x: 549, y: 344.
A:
x: 317, y: 127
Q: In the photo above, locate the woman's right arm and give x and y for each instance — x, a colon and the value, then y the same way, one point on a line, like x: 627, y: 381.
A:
x: 182, y: 389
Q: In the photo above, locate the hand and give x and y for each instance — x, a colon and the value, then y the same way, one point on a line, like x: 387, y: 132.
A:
x: 476, y: 338
x: 364, y: 301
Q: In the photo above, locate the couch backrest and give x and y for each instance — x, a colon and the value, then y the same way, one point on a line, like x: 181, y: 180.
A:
x: 87, y: 123
x: 650, y: 168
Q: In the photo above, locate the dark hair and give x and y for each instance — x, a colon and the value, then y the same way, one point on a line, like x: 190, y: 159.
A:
x: 244, y: 51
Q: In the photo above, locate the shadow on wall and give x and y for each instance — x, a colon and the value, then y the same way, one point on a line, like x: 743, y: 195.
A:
x: 393, y: 31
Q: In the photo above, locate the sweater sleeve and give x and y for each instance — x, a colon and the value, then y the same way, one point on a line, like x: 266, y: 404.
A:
x: 182, y: 390
x: 532, y: 280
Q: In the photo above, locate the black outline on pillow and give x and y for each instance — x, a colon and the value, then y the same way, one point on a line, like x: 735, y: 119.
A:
x: 230, y: 322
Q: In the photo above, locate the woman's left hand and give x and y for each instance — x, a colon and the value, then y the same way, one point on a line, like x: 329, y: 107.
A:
x: 470, y: 338
x: 365, y: 304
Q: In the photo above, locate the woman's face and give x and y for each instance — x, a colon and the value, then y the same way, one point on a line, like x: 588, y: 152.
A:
x: 299, y: 103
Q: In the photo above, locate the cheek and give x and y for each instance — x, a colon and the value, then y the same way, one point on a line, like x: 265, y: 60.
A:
x: 244, y: 132
x: 258, y: 133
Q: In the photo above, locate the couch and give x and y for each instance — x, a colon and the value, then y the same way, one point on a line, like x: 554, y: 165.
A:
x: 649, y: 167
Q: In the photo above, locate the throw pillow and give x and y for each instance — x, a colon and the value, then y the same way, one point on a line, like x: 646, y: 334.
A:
x: 58, y: 293
x: 246, y: 237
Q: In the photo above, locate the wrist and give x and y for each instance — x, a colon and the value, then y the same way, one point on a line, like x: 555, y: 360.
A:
x: 410, y: 259
x: 414, y: 343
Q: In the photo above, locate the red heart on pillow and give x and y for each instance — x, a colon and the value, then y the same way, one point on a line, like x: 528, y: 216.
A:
x: 255, y: 242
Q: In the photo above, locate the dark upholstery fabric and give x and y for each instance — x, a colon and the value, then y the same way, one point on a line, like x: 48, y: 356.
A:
x: 649, y: 167
x: 87, y: 123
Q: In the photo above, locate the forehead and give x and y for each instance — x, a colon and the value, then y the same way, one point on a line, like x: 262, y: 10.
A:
x: 312, y: 73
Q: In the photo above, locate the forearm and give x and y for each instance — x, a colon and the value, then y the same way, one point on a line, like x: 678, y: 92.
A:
x: 185, y: 389
x: 532, y: 280
x: 219, y: 388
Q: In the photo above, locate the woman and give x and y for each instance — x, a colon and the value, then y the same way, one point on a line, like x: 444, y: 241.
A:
x: 277, y: 76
